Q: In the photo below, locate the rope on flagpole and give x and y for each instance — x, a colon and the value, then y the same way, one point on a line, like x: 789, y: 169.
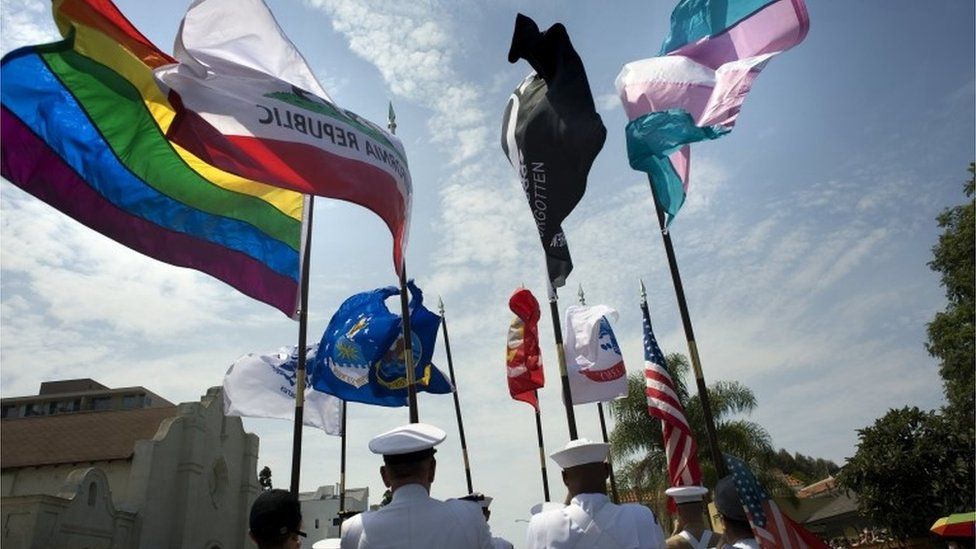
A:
x: 296, y: 451
x: 679, y: 293
x: 457, y: 398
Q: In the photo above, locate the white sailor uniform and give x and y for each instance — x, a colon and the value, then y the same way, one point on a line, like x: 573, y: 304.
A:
x: 591, y: 521
x: 415, y: 520
x: 707, y: 539
x: 501, y: 543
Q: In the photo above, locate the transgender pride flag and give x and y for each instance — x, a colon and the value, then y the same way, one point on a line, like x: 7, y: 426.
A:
x: 695, y: 89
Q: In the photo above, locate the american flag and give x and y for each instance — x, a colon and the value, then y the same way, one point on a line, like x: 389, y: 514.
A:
x: 773, y: 529
x: 663, y: 403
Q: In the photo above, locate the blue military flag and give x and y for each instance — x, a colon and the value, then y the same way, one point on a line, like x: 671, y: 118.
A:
x: 360, y: 356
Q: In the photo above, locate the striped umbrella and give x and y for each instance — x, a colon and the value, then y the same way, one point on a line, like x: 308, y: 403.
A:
x: 959, y: 525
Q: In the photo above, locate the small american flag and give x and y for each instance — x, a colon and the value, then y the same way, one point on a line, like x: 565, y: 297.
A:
x: 773, y: 529
x: 663, y: 403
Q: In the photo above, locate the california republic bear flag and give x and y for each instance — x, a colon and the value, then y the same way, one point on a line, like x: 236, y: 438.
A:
x: 247, y: 102
x: 593, y: 359
x: 551, y: 134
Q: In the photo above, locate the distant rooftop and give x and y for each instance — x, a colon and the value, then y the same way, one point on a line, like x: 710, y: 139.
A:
x: 821, y: 487
x: 78, y: 395
x: 69, y: 386
x: 77, y: 438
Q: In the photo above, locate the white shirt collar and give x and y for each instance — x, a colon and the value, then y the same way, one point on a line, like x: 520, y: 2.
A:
x: 591, y: 502
x: 409, y: 492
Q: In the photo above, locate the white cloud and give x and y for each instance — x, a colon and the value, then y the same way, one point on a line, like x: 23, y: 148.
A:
x: 26, y: 22
x: 607, y: 102
x: 80, y: 276
x: 791, y: 291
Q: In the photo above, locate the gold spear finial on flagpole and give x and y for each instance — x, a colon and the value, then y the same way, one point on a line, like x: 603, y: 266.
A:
x: 582, y: 296
x: 440, y: 305
x: 391, y: 116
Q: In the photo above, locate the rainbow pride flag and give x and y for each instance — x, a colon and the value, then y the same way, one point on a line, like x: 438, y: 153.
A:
x: 84, y: 129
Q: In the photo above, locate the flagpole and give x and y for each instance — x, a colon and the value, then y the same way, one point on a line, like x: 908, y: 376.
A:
x: 296, y: 451
x: 603, y: 424
x: 679, y: 293
x: 542, y: 448
x: 342, y: 465
x: 457, y: 399
x: 405, y: 314
x: 557, y: 333
x: 613, y: 477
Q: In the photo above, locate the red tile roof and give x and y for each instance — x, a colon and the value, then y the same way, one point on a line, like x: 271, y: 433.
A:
x: 78, y: 437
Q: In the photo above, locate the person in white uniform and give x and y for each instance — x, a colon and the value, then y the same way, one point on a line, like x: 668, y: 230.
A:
x: 738, y: 533
x: 413, y: 519
x: 484, y: 502
x: 591, y: 520
x: 691, y: 531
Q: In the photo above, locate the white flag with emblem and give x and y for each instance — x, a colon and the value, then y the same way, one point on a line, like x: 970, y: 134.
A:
x: 594, y: 362
x: 264, y: 386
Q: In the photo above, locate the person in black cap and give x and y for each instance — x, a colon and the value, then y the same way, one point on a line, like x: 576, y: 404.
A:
x: 276, y: 520
x: 738, y: 533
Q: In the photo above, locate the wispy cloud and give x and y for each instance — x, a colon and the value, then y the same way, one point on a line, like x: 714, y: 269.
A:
x: 807, y: 290
x: 26, y: 22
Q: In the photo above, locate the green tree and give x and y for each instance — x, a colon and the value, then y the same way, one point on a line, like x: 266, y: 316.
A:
x: 952, y: 333
x: 911, y: 467
x: 638, y: 444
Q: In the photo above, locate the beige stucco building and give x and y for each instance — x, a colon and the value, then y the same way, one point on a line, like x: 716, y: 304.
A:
x: 134, y: 473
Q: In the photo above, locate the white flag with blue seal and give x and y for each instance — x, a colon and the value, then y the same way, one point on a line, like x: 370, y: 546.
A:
x: 263, y: 385
x: 594, y: 363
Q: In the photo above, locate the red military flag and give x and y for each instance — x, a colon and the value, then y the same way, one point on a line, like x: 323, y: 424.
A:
x: 523, y: 360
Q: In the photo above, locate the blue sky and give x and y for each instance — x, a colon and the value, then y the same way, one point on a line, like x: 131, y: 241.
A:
x: 803, y: 244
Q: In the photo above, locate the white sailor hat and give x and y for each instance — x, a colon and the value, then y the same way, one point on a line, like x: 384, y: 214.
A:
x: 328, y: 543
x: 686, y: 494
x: 409, y: 442
x: 579, y: 452
x: 546, y: 506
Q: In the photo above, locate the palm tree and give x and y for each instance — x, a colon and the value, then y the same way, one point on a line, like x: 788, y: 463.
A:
x: 638, y: 444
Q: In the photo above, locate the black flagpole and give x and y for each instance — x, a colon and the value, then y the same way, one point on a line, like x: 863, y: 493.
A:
x: 603, y: 425
x: 342, y: 465
x: 405, y: 313
x: 542, y: 448
x: 296, y: 451
x: 679, y: 293
x: 457, y: 400
x: 557, y: 333
x: 613, y: 477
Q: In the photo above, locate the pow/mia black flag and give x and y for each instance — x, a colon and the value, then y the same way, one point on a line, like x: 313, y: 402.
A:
x: 551, y: 134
